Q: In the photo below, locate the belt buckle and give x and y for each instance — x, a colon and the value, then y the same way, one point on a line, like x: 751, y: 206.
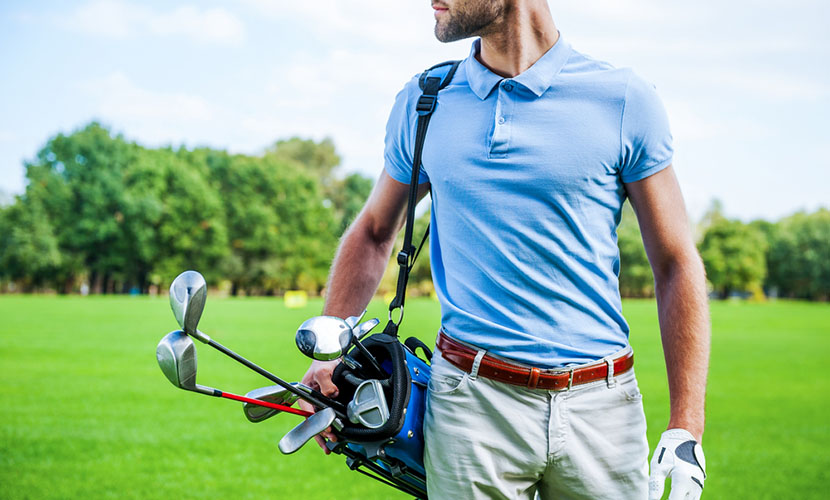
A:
x: 570, y: 379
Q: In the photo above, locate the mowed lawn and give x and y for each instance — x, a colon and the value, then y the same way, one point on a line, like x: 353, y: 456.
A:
x: 85, y: 411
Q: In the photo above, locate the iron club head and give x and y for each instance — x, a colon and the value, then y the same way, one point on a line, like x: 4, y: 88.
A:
x: 187, y: 299
x: 272, y: 394
x: 324, y: 337
x: 313, y: 425
x: 362, y: 329
x: 176, y: 356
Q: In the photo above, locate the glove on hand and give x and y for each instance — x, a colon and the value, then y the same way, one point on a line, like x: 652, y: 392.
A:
x: 677, y: 454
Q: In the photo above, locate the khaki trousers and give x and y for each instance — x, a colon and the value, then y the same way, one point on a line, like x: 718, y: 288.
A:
x: 490, y: 440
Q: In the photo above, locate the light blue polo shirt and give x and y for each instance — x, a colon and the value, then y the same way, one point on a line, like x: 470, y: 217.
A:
x: 527, y: 187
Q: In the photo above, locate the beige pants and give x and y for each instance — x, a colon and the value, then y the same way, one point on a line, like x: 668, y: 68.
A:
x: 487, y: 439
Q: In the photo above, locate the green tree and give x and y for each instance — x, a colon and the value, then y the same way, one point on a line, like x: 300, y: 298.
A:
x: 80, y: 180
x: 281, y: 234
x: 733, y: 254
x: 29, y: 251
x: 347, y: 197
x: 319, y: 159
x: 636, y: 279
x: 799, y: 256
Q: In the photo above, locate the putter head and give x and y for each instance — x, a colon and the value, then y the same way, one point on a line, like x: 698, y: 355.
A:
x: 272, y: 394
x: 324, y: 337
x: 176, y: 356
x: 313, y: 425
x: 362, y: 329
x: 368, y: 407
x: 187, y: 299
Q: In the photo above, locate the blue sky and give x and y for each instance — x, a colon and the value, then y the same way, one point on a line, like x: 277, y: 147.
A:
x: 746, y: 83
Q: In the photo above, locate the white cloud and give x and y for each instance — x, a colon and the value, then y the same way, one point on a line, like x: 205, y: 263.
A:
x: 121, y: 19
x: 211, y: 25
x: 374, y: 21
x: 166, y: 116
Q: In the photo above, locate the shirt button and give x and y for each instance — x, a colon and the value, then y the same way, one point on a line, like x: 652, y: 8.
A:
x: 508, y: 86
x: 501, y: 120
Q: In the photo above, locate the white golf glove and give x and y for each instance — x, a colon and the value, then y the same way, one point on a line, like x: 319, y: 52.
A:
x: 680, y: 456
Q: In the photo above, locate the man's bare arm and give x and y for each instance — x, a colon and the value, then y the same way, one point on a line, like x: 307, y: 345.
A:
x: 682, y: 303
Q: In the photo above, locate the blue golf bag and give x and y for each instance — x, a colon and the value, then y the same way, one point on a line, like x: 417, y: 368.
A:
x: 393, y: 452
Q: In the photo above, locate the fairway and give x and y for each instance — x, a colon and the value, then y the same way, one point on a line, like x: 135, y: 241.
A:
x: 85, y: 411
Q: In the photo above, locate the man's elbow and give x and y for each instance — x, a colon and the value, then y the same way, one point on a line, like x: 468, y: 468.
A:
x: 372, y: 232
x: 685, y: 265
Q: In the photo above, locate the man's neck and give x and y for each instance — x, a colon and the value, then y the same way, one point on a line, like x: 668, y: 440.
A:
x: 525, y: 34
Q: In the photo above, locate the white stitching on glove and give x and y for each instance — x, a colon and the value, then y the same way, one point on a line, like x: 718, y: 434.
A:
x: 680, y: 456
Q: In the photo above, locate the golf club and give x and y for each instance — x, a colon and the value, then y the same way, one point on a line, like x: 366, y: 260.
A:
x: 188, y: 293
x: 272, y: 394
x: 176, y: 357
x: 368, y: 407
x: 328, y: 337
x: 307, y: 429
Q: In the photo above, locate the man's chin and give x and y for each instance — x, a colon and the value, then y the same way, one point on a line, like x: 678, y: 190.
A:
x: 446, y: 37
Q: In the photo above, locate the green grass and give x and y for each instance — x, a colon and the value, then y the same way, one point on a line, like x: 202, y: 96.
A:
x: 86, y: 413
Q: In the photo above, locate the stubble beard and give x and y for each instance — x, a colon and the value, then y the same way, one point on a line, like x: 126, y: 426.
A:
x: 469, y: 18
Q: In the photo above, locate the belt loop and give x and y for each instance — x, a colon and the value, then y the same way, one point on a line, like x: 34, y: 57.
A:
x: 476, y: 364
x: 533, y: 380
x: 609, y: 379
x: 570, y: 378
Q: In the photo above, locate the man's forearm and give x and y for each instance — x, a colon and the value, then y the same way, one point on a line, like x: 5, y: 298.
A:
x: 356, y: 271
x: 683, y: 310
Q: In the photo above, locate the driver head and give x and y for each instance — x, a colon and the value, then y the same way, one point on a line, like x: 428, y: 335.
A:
x: 176, y: 356
x: 324, y: 337
x: 187, y: 299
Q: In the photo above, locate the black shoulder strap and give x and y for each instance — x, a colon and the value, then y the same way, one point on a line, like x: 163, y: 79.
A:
x: 430, y: 85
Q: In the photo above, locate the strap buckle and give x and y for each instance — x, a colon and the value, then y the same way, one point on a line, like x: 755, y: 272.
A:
x: 426, y: 104
x: 403, y: 258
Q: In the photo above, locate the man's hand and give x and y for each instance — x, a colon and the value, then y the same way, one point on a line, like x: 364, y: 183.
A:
x: 318, y: 377
x: 680, y: 456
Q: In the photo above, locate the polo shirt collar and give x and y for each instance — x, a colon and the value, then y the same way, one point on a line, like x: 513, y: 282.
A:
x: 537, y: 78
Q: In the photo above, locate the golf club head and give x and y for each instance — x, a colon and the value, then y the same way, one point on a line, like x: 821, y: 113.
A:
x: 361, y: 330
x: 368, y: 407
x: 313, y: 425
x: 176, y: 356
x: 272, y: 394
x: 187, y: 299
x: 324, y: 337
x: 352, y: 321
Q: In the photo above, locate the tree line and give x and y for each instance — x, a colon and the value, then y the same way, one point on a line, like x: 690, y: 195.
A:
x: 109, y: 214
x: 789, y: 258
x: 104, y: 214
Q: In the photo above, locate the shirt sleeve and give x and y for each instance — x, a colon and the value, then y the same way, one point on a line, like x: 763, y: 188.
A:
x: 399, y: 140
x: 645, y: 134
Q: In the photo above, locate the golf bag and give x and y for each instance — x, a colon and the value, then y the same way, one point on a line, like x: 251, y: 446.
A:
x: 394, y: 451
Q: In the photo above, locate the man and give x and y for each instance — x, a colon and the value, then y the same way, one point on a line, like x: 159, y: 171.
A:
x: 529, y: 157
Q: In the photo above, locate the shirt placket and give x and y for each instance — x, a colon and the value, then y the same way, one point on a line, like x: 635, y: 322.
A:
x: 503, y: 117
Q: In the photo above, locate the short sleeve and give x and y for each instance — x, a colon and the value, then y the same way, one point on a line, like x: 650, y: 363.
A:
x: 399, y: 140
x: 645, y: 134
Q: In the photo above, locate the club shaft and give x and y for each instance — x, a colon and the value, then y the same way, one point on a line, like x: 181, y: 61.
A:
x: 372, y: 360
x: 315, y: 398
x: 266, y: 404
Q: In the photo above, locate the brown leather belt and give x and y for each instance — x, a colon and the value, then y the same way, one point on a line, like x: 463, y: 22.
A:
x: 494, y: 368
